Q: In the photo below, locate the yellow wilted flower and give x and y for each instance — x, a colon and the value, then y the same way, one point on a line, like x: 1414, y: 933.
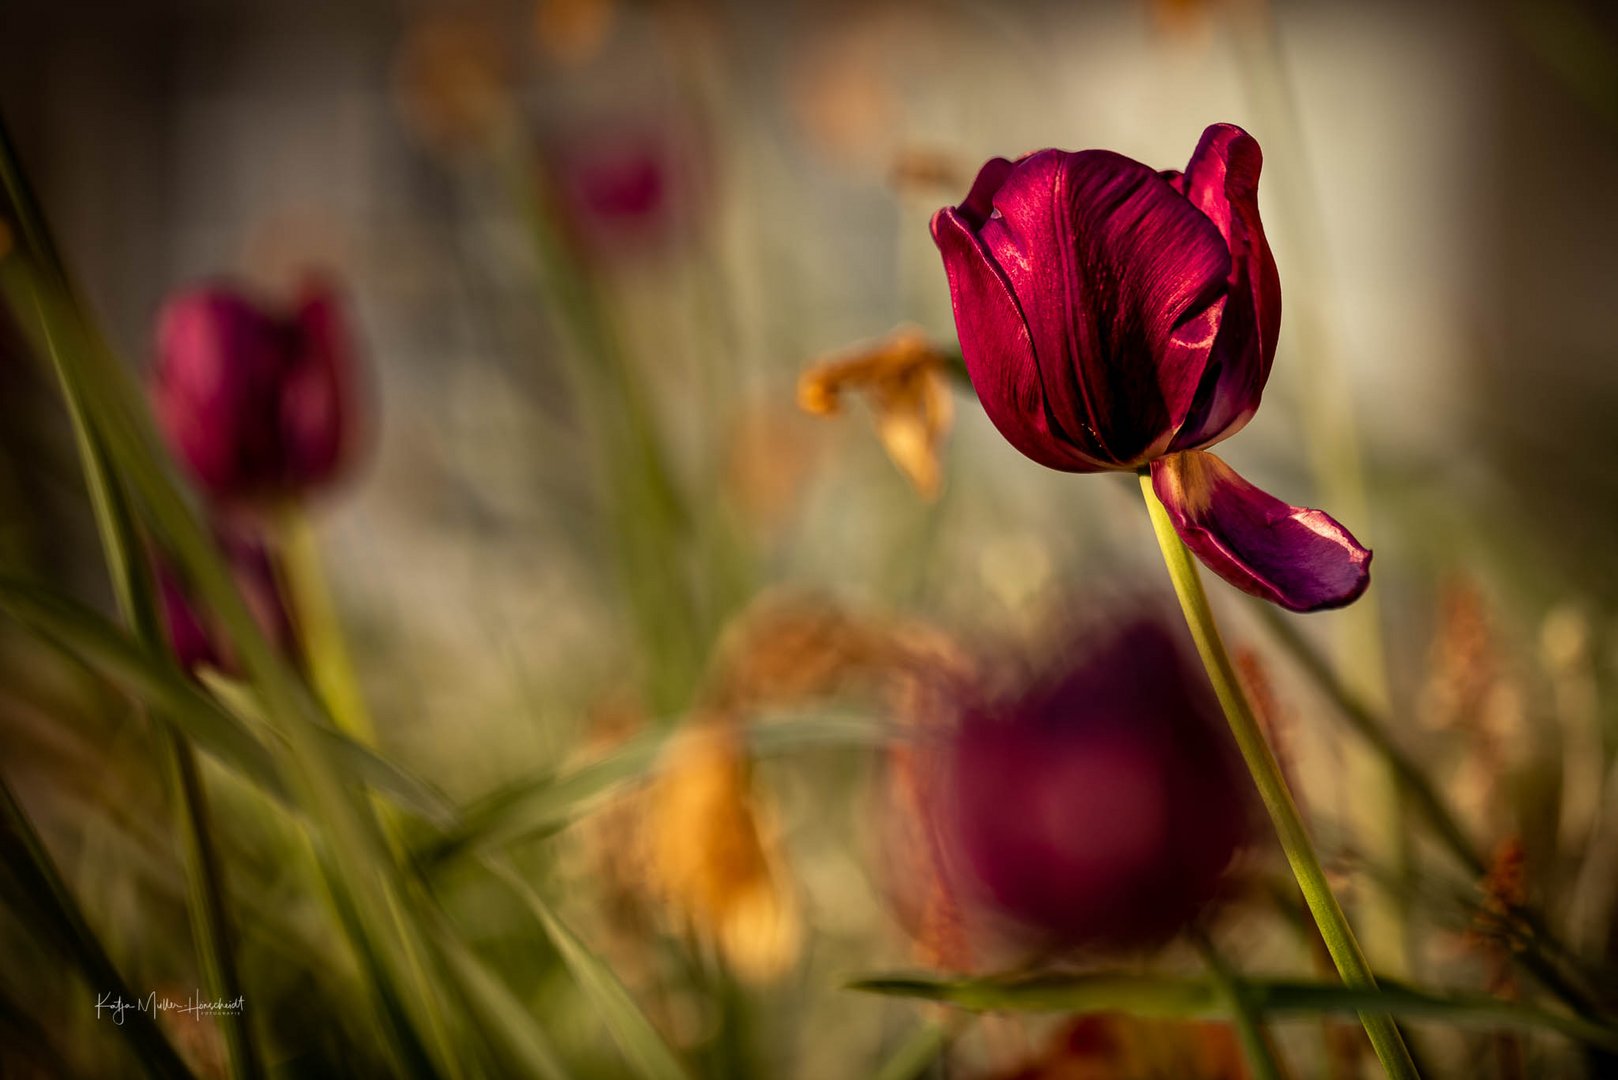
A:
x: 903, y: 378
x: 714, y: 855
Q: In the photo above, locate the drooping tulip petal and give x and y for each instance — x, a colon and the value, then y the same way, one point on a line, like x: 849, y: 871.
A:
x: 1117, y: 274
x: 1222, y: 181
x: 1296, y: 557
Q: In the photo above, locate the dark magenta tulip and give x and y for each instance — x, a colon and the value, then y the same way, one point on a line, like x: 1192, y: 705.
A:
x: 192, y: 633
x: 1102, y: 808
x: 256, y: 404
x: 1115, y: 317
x: 619, y: 193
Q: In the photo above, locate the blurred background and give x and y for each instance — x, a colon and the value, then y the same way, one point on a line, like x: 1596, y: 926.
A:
x: 589, y: 247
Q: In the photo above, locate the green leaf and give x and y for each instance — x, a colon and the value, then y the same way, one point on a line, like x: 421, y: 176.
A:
x: 541, y: 805
x: 1170, y: 996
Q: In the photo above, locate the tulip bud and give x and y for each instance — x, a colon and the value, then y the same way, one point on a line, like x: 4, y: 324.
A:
x: 1100, y: 809
x: 620, y: 194
x: 254, y: 404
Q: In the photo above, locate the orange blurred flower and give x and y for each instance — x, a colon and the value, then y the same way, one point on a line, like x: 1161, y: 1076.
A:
x: 903, y: 378
x: 714, y: 853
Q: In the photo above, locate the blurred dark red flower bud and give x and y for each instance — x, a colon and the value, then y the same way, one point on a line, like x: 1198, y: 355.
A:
x: 624, y: 192
x: 256, y: 404
x: 1100, y: 809
x: 192, y: 631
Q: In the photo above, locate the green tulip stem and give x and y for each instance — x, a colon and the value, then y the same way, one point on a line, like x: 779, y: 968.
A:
x: 320, y: 631
x: 1272, y: 788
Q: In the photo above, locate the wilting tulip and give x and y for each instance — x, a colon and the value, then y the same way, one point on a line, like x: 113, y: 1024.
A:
x: 1115, y: 317
x: 256, y: 404
x: 1099, y: 809
x: 903, y: 379
x: 192, y: 632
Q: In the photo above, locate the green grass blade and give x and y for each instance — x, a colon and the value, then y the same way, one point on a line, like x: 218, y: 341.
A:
x: 404, y: 788
x: 501, y: 1019
x: 1169, y: 996
x: 918, y: 1052
x: 640, y: 1042
x: 35, y: 890
x: 106, y: 649
x: 363, y: 867
x: 537, y: 806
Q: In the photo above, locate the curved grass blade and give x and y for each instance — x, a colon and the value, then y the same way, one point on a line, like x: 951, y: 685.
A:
x: 362, y: 866
x: 404, y: 788
x: 918, y: 1052
x: 212, y: 929
x: 36, y: 891
x: 1545, y: 957
x: 91, y: 638
x: 1170, y: 996
x: 95, y: 641
x: 508, y: 1027
x: 640, y: 1042
x: 541, y: 805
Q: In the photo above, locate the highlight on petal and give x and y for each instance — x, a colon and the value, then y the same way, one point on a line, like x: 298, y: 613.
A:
x: 1221, y: 180
x: 998, y: 351
x: 1293, y: 556
x: 1118, y: 276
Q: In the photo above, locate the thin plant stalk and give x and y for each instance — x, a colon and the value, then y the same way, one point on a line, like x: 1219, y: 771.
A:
x: 1245, y: 1015
x: 1290, y: 830
x: 1337, y: 461
x: 325, y: 651
x: 1545, y: 956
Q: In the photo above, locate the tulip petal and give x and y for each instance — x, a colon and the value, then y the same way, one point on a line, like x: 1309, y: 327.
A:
x: 1222, y: 181
x: 1298, y: 558
x: 317, y: 414
x: 996, y: 346
x: 1119, y: 276
x: 219, y: 361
